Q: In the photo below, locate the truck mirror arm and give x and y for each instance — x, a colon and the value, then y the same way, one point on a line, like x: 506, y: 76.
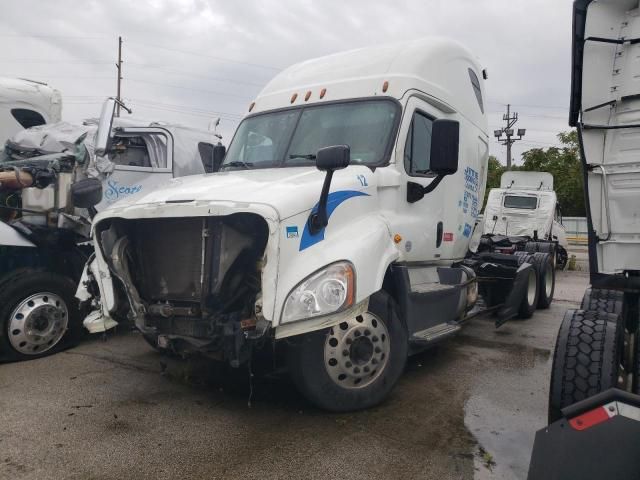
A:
x: 319, y: 219
x: 416, y: 192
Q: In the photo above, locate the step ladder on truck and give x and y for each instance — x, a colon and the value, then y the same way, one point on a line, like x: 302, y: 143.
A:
x: 336, y: 233
x: 594, y: 399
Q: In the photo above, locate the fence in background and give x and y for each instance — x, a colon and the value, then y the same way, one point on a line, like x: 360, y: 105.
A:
x: 576, y: 228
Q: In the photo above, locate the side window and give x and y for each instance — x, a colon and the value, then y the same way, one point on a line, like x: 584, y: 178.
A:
x: 27, y: 118
x: 417, y: 150
x: 475, y: 83
x: 148, y: 151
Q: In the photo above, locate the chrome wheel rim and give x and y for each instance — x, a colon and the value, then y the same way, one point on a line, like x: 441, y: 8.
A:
x: 548, y: 282
x: 38, y: 323
x: 531, y: 289
x: 356, y: 352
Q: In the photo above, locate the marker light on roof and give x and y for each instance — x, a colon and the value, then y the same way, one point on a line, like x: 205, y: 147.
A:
x: 253, y: 104
x: 323, y: 92
x: 293, y: 97
x: 307, y: 96
x: 385, y: 86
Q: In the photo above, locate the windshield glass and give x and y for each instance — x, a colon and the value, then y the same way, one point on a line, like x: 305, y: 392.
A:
x: 291, y: 138
x: 514, y: 201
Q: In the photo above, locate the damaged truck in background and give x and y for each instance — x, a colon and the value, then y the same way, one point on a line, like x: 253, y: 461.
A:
x: 336, y: 232
x: 52, y: 182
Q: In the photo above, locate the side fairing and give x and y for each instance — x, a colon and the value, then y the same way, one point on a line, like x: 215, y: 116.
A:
x: 606, y: 109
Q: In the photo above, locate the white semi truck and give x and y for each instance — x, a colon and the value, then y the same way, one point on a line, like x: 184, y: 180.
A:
x: 594, y: 395
x: 524, y: 215
x: 336, y: 232
x: 49, y: 175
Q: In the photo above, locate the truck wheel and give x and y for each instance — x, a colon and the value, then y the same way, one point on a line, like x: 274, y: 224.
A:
x: 586, y: 358
x: 532, y: 292
x: 546, y: 278
x: 562, y: 258
x: 602, y: 300
x: 39, y: 316
x: 355, y: 364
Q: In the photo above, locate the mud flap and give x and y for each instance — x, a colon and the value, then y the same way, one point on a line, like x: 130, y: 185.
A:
x: 596, y: 439
x: 517, y: 293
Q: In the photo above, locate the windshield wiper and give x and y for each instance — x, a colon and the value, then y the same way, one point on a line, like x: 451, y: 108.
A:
x: 309, y: 156
x: 237, y: 164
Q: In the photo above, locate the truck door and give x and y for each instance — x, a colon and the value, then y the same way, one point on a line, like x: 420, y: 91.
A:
x: 143, y: 159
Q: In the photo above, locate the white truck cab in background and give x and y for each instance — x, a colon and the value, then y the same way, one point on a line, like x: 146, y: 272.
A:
x: 26, y: 103
x: 336, y: 232
x: 525, y: 209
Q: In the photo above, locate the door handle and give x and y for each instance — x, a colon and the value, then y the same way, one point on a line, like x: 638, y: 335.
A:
x: 439, y: 233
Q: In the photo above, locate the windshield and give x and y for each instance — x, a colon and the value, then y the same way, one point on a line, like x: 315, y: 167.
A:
x: 514, y: 201
x: 292, y: 137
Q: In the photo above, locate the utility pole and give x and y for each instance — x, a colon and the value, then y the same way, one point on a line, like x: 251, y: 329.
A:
x: 119, y: 67
x: 508, y: 132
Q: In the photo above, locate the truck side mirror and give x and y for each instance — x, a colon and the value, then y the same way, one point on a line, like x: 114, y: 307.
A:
x: 219, y: 151
x: 103, y: 135
x: 87, y: 193
x: 328, y: 160
x: 445, y: 144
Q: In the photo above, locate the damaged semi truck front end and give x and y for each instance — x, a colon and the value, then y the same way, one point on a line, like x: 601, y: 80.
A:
x: 195, y: 283
x: 340, y: 220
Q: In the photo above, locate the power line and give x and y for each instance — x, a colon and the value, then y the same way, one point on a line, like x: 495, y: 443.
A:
x: 186, y: 74
x: 221, y: 59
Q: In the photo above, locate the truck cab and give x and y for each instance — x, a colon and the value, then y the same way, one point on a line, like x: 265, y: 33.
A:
x: 336, y: 230
x: 54, y: 180
x: 524, y: 213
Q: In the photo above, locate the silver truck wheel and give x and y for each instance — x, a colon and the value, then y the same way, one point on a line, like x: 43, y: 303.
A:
x: 38, y: 323
x: 356, y: 351
x: 352, y: 365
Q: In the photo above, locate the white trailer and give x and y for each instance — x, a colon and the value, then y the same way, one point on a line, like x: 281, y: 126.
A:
x: 26, y: 103
x: 335, y: 233
x: 524, y: 214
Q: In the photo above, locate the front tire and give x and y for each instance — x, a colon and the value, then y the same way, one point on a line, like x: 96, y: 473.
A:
x: 355, y: 364
x: 39, y: 315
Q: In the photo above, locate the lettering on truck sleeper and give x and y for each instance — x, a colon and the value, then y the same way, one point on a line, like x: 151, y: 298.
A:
x: 469, y: 201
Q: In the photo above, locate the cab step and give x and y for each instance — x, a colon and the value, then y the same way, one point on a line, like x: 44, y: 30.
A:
x: 435, y: 333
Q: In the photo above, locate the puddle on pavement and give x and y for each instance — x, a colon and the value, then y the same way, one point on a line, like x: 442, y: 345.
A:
x: 506, y: 406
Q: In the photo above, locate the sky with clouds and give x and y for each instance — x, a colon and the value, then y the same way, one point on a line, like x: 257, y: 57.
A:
x: 191, y: 61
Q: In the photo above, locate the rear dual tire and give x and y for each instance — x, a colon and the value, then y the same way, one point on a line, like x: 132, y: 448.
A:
x: 586, y: 358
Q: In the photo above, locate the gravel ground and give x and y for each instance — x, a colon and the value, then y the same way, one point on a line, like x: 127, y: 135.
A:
x: 468, y: 408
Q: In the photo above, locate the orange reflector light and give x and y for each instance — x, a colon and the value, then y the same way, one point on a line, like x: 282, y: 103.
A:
x: 307, y: 96
x: 385, y: 86
x: 323, y: 92
x: 397, y: 238
x: 293, y: 97
x: 253, y: 104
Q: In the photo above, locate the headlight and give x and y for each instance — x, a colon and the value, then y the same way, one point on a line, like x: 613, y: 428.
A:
x: 329, y: 290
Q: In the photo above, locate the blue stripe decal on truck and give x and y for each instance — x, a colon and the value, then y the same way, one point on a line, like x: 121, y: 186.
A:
x: 335, y: 199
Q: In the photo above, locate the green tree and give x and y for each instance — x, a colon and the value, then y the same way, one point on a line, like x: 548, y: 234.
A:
x: 564, y: 164
x: 494, y: 171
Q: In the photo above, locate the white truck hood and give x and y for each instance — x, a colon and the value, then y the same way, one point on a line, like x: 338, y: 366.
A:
x: 288, y: 191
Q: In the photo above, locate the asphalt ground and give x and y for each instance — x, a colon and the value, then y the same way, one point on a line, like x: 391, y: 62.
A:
x: 115, y: 409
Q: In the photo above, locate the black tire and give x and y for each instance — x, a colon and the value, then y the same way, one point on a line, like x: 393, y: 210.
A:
x: 601, y: 300
x: 310, y: 372
x: 562, y: 258
x: 18, y: 289
x: 531, y: 247
x: 546, y: 273
x: 586, y: 358
x: 522, y: 257
x: 532, y: 292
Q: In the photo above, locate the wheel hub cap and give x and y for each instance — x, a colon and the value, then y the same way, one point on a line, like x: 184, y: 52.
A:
x: 357, y: 351
x: 38, y: 323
